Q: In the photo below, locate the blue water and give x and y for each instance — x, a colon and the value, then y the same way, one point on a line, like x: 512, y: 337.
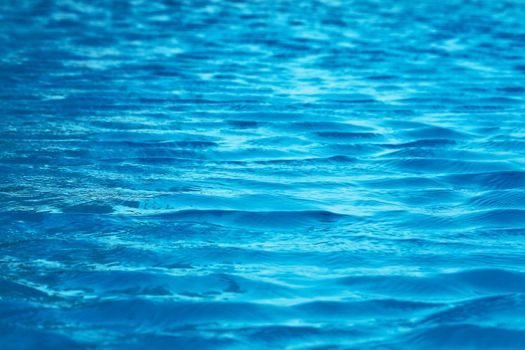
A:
x: 262, y: 174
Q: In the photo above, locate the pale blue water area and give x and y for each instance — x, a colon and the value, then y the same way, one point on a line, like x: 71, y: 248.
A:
x: 262, y: 174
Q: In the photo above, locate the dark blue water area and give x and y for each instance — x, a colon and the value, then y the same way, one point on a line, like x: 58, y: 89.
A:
x: 187, y: 174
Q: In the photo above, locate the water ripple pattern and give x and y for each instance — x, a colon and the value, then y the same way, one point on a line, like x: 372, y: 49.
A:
x: 262, y: 174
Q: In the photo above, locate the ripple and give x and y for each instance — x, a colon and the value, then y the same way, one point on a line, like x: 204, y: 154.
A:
x: 275, y: 219
x: 25, y: 338
x: 267, y: 175
x: 489, y: 180
x: 143, y: 314
x: 509, y: 199
x: 465, y: 336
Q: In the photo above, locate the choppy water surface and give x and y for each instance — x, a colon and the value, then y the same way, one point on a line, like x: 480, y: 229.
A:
x: 262, y: 174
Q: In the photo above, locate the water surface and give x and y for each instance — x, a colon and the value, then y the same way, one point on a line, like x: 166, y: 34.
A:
x: 262, y: 174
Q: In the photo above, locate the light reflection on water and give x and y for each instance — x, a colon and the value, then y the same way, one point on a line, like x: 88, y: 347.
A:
x: 313, y: 174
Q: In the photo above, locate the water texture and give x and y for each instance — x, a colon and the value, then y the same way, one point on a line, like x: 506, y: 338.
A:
x: 262, y: 174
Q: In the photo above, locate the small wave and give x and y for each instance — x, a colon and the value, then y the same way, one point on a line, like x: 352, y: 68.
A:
x: 155, y: 341
x: 323, y: 127
x: 256, y: 202
x: 269, y: 219
x: 503, y: 199
x: 446, y: 166
x: 10, y: 289
x: 488, y: 311
x: 140, y: 283
x: 463, y: 284
x: 405, y: 182
x: 427, y: 143
x: 145, y: 314
x: 498, y: 180
x: 343, y: 136
x: 306, y: 161
x: 433, y: 132
x: 27, y: 338
x: 464, y: 336
x: 359, y: 310
x: 498, y: 217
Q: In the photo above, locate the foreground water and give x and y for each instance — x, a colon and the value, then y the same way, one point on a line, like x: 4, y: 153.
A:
x: 263, y: 175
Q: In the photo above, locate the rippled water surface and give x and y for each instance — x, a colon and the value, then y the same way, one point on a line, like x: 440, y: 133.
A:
x: 262, y: 174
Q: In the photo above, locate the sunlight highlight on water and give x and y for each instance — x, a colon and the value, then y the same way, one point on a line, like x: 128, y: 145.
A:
x: 262, y: 175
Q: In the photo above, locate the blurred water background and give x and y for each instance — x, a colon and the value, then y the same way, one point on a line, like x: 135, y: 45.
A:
x: 262, y: 174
